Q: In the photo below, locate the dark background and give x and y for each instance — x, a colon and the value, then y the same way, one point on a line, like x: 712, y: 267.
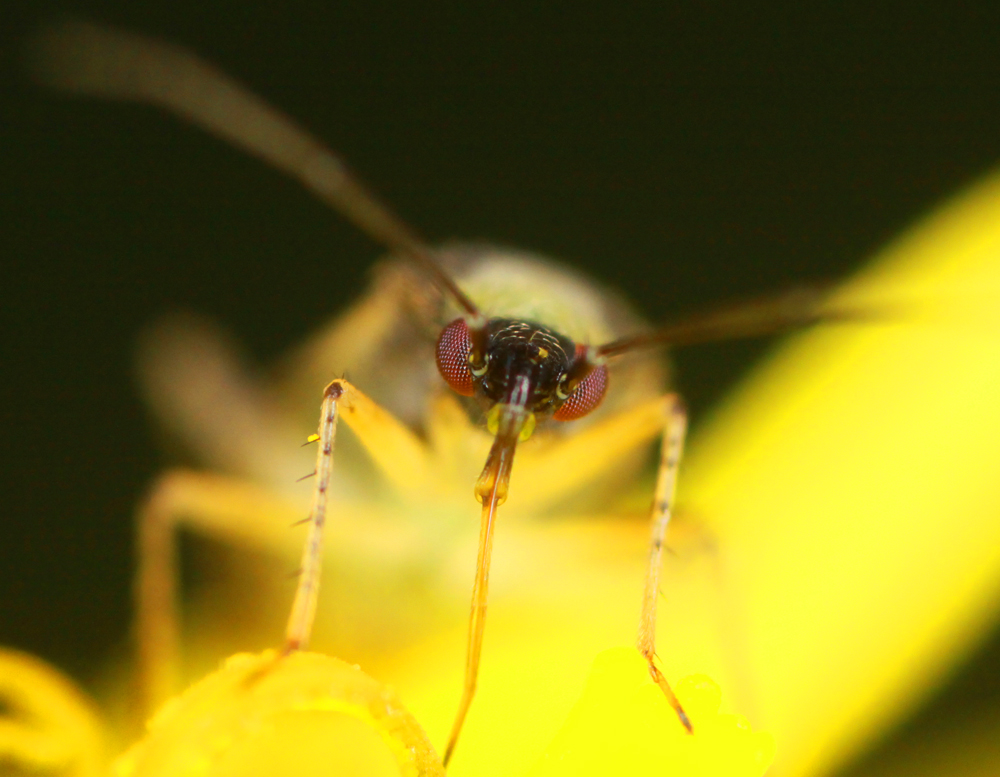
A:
x: 685, y: 154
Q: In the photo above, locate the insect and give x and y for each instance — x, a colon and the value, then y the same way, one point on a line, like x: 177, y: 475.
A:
x: 519, y: 342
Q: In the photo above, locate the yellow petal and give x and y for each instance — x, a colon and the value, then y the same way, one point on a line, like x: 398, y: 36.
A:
x: 853, y: 489
x: 623, y: 725
x: 47, y: 725
x: 305, y: 714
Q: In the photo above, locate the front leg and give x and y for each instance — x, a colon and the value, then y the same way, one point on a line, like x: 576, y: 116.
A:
x: 663, y: 505
x: 398, y: 452
x: 233, y: 508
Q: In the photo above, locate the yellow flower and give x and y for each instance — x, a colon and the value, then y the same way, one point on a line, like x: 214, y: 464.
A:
x: 848, y: 494
x: 47, y: 726
x: 309, y: 714
x: 853, y: 487
x: 621, y: 725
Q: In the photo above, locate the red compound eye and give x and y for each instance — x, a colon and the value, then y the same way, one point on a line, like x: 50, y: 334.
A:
x: 453, y: 349
x: 585, y: 397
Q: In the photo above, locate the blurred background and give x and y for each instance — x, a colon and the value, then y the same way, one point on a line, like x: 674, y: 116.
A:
x: 688, y: 156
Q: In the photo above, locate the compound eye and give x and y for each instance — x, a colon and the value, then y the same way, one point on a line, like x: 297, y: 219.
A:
x: 453, y: 348
x: 585, y: 397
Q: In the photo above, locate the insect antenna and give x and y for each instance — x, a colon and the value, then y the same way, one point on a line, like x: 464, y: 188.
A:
x: 106, y: 62
x: 792, y: 309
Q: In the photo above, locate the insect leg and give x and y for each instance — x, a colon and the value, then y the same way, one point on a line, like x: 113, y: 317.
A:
x: 236, y: 508
x: 155, y: 592
x: 396, y: 450
x: 300, y: 621
x: 213, y: 502
x: 663, y: 505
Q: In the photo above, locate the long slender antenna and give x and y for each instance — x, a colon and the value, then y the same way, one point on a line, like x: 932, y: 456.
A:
x: 106, y: 62
x: 755, y: 318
